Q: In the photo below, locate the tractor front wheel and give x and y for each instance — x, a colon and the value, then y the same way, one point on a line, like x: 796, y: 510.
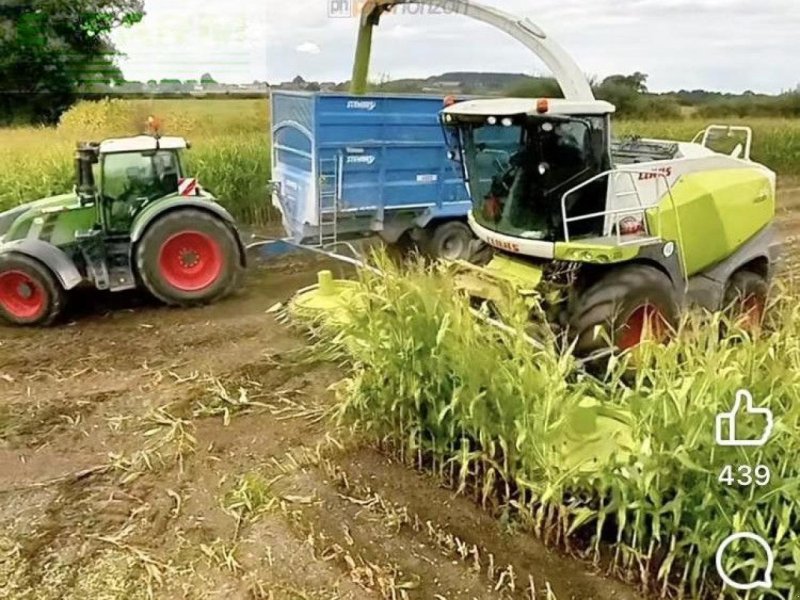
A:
x: 189, y: 257
x: 745, y: 301
x: 29, y: 292
x: 627, y: 306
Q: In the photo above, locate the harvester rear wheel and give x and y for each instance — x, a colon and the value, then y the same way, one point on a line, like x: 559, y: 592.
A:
x: 29, y: 292
x: 627, y: 306
x: 745, y: 300
x: 189, y: 257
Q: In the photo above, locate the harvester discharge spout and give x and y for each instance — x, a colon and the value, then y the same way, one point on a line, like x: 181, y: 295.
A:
x: 573, y: 82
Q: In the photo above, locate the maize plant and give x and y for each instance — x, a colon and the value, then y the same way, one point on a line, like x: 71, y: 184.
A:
x: 622, y: 469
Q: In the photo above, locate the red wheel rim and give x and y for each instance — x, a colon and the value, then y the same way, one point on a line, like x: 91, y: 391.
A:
x: 646, y: 323
x: 753, y: 309
x: 21, y: 296
x: 190, y: 261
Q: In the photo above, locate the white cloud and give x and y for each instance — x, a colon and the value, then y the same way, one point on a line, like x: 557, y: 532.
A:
x: 308, y: 48
x: 723, y: 44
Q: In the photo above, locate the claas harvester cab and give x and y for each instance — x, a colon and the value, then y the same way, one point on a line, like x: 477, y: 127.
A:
x: 611, y: 238
x: 133, y: 220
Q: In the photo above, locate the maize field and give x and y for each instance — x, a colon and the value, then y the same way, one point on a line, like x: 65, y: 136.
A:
x: 214, y: 453
x: 230, y: 153
x: 621, y: 469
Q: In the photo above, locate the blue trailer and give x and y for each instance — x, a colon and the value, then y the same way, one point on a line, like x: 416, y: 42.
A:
x: 348, y: 166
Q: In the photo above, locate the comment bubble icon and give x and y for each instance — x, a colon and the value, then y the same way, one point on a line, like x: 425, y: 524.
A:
x: 765, y: 582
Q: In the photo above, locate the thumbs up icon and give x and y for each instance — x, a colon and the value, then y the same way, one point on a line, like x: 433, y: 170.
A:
x: 726, y: 431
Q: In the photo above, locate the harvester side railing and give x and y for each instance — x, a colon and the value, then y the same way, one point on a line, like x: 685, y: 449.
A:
x: 704, y: 136
x: 640, y: 209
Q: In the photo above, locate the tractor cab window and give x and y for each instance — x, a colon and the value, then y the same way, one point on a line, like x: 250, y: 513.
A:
x: 520, y: 168
x: 130, y: 180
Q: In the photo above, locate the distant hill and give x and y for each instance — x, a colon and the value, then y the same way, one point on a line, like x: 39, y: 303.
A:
x: 459, y: 82
x: 495, y: 81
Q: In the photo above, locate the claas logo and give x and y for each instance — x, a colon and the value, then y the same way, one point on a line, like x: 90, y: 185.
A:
x: 503, y: 245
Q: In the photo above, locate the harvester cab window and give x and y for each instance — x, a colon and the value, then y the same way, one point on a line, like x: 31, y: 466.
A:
x: 573, y: 151
x: 132, y: 179
x: 519, y: 169
x: 494, y: 148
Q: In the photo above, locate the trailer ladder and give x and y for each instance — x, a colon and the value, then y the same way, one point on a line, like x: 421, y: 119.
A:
x: 330, y: 186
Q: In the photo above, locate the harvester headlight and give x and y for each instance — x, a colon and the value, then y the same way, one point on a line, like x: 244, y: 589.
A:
x: 448, y: 118
x: 507, y: 122
x: 631, y: 226
x: 492, y: 120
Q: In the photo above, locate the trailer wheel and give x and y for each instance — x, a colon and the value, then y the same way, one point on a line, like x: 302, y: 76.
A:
x: 29, y: 292
x: 402, y: 249
x: 189, y: 257
x: 745, y: 301
x: 451, y: 240
x: 627, y: 306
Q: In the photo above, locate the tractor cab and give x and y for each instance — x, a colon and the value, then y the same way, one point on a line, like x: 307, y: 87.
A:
x: 520, y: 157
x: 122, y: 176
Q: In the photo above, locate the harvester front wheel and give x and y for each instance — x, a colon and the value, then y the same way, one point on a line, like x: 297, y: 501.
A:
x: 189, y: 257
x: 745, y: 300
x: 29, y: 292
x: 627, y: 306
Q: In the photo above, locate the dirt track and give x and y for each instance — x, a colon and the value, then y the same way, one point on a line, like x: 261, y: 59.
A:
x: 186, y: 454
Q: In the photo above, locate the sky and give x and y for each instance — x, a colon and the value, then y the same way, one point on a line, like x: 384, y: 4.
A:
x: 728, y: 45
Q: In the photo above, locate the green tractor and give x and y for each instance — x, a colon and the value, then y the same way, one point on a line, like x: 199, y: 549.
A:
x: 612, y: 238
x: 133, y: 220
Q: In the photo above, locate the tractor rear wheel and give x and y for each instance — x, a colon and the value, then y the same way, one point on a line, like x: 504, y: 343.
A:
x: 29, y: 292
x: 189, y: 257
x: 745, y: 301
x: 451, y: 240
x: 627, y: 306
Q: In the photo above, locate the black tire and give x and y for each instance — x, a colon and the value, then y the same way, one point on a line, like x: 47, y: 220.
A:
x: 451, y: 240
x: 200, y: 239
x: 745, y: 300
x: 29, y: 292
x: 609, y: 309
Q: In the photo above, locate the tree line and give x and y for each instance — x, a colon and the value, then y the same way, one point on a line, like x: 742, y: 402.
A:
x: 49, y: 49
x: 631, y: 96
